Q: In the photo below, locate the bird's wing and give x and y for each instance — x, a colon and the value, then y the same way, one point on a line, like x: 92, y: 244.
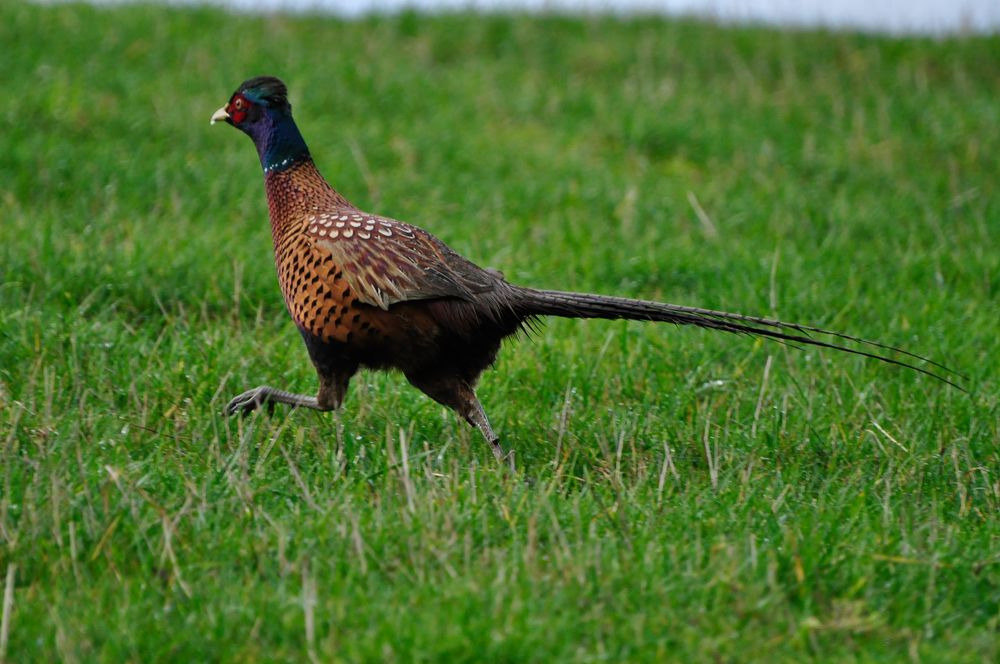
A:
x: 385, y: 261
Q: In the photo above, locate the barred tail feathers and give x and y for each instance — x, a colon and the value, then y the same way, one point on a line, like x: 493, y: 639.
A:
x: 535, y: 302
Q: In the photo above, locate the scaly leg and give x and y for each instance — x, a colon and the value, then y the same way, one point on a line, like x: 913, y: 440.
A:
x: 265, y: 395
x: 332, y: 389
x: 458, y: 395
x: 477, y: 417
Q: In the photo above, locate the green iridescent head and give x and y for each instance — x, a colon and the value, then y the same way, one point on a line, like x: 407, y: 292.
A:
x: 260, y: 109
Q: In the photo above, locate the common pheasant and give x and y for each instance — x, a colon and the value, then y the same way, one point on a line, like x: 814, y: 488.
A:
x: 368, y: 291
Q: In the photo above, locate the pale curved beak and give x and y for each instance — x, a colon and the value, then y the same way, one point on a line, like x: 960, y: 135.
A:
x: 219, y: 116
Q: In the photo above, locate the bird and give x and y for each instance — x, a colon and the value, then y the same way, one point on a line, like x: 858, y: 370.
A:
x: 368, y: 291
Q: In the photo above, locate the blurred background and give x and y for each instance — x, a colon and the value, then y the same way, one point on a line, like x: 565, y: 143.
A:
x: 894, y: 16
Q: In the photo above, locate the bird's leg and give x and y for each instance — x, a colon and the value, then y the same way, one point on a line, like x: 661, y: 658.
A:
x: 458, y: 395
x: 477, y: 417
x: 265, y: 395
x: 332, y: 388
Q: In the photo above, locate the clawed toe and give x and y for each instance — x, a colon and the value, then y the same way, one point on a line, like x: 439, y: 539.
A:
x: 249, y: 401
x: 509, y: 458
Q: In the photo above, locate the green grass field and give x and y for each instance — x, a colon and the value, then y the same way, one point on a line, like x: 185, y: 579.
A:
x: 682, y: 495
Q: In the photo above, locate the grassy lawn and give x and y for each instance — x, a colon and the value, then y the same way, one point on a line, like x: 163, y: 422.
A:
x: 682, y: 495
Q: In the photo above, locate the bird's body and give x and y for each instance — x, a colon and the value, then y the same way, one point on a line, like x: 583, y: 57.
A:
x: 367, y: 291
x: 359, y: 289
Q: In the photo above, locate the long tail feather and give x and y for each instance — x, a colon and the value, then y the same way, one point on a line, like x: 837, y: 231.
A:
x: 536, y: 302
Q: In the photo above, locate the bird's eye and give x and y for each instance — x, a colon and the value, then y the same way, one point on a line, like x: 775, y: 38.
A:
x: 239, y: 104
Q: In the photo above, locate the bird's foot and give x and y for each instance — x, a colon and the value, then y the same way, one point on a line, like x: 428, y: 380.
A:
x: 509, y: 457
x: 501, y: 456
x: 251, y: 400
x: 264, y: 395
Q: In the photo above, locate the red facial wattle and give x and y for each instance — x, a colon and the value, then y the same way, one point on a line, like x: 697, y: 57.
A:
x: 237, y: 109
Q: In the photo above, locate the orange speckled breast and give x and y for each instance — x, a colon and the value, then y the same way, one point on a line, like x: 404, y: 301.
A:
x: 319, y: 299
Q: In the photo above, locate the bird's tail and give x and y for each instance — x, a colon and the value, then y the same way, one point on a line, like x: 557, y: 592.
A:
x: 534, y: 302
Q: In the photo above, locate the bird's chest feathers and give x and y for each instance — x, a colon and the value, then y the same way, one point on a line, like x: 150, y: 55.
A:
x: 319, y: 298
x: 315, y: 291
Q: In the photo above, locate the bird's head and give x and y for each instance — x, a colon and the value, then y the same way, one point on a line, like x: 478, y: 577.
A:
x: 256, y: 101
x: 260, y: 109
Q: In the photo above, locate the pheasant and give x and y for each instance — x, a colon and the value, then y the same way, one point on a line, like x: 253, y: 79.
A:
x: 369, y: 291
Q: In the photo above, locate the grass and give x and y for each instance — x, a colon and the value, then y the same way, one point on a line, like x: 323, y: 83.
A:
x: 682, y: 495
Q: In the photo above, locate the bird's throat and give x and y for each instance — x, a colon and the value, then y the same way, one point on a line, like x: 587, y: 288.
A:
x: 280, y: 144
x: 294, y: 192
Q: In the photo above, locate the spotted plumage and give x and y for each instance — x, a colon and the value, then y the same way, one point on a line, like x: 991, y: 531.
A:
x: 369, y: 291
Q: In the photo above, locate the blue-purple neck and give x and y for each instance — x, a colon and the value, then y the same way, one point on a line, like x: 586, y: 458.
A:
x: 279, y: 143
